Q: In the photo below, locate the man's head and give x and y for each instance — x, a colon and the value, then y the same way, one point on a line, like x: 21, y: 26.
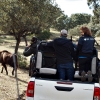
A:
x: 33, y: 40
x: 64, y: 32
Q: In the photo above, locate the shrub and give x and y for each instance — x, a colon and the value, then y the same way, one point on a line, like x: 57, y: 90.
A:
x: 44, y: 35
x: 97, y: 33
x: 22, y: 61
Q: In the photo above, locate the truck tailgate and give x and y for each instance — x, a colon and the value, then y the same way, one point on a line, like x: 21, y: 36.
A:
x: 59, y: 90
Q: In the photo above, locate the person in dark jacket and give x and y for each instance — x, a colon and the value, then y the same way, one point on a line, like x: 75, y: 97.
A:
x: 32, y: 48
x: 29, y: 50
x: 85, y: 53
x: 65, y: 54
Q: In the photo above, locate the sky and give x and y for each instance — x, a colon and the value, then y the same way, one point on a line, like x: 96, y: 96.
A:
x: 74, y: 6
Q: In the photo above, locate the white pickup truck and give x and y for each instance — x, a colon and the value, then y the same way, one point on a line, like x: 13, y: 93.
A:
x: 47, y: 88
x: 43, y: 89
x: 45, y: 85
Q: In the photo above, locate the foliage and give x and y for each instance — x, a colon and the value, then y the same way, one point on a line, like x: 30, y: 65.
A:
x: 95, y: 5
x: 74, y: 31
x: 44, y: 35
x: 22, y: 61
x: 61, y: 22
x: 79, y: 19
x: 65, y: 22
x: 95, y: 29
x: 97, y: 33
x: 19, y: 17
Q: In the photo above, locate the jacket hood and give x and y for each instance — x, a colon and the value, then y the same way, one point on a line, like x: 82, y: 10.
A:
x: 61, y: 41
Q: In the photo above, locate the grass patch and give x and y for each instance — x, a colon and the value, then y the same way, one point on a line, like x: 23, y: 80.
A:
x: 7, y: 39
x: 54, y: 33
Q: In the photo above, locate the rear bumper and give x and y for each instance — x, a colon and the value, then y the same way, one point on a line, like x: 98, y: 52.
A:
x: 29, y: 98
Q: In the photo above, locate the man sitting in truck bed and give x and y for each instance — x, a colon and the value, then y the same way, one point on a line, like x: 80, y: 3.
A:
x: 65, y: 55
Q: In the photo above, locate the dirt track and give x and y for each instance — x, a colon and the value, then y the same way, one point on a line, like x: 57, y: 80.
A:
x: 8, y: 86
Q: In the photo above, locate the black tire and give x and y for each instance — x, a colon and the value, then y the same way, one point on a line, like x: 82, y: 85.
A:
x: 99, y: 75
x: 32, y: 66
x: 30, y: 70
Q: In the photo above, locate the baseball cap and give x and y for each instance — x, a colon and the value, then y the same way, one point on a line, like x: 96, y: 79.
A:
x: 64, y: 32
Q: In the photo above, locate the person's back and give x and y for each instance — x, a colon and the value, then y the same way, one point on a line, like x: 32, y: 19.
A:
x: 64, y: 50
x: 85, y: 53
x: 87, y: 43
x: 65, y: 54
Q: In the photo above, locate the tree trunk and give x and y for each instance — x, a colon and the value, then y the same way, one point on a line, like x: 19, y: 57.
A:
x: 17, y: 46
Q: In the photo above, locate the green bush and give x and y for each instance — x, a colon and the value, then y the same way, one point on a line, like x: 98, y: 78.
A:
x: 97, y: 33
x: 44, y: 35
x: 22, y: 61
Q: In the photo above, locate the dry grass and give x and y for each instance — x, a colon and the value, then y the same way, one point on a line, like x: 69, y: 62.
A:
x: 55, y: 33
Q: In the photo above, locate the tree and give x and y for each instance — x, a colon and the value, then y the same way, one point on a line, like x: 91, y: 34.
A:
x: 61, y: 22
x: 21, y: 17
x: 95, y: 5
x: 79, y: 19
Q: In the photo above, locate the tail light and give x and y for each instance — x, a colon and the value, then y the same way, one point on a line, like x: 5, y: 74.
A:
x: 96, y: 93
x: 30, y: 89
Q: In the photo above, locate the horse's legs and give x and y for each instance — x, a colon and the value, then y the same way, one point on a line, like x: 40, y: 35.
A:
x: 4, y: 65
x: 13, y: 71
x: 2, y: 70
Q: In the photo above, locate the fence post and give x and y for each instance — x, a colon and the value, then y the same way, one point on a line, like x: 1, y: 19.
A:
x: 14, y: 60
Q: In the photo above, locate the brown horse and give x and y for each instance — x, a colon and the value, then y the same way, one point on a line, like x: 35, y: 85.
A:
x: 6, y: 58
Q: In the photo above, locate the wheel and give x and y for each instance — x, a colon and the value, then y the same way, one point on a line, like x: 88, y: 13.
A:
x: 99, y: 75
x: 32, y: 66
x: 31, y: 69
